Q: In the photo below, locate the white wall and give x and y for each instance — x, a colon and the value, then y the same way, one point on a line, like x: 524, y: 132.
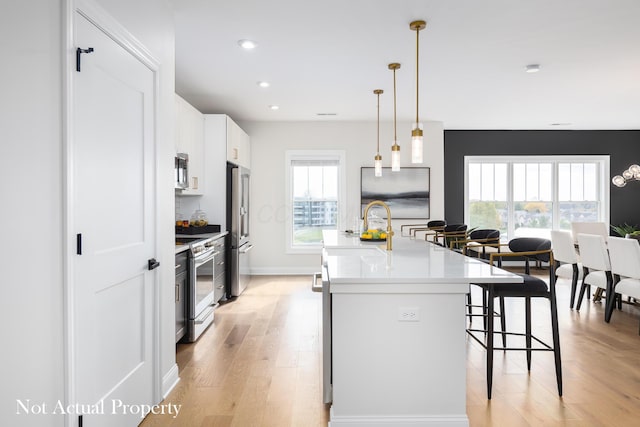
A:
x: 270, y: 140
x: 31, y: 188
x: 31, y: 310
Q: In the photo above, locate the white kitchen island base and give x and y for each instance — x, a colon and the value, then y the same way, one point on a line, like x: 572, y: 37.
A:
x: 392, y: 372
x: 397, y: 331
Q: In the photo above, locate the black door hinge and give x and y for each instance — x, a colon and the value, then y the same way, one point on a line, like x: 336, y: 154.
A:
x: 79, y: 52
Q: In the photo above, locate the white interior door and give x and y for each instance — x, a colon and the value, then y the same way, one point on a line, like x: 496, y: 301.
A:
x: 114, y: 212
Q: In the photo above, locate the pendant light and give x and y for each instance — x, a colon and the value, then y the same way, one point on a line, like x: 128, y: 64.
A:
x: 416, y: 131
x: 395, y: 148
x: 378, y: 159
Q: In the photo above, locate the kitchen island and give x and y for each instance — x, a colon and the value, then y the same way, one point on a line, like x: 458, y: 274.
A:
x: 396, y: 352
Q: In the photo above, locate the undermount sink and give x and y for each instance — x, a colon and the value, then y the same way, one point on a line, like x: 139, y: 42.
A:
x: 356, y: 251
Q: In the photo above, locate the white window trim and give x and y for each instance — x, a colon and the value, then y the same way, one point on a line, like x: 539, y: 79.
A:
x: 602, y: 160
x: 291, y: 155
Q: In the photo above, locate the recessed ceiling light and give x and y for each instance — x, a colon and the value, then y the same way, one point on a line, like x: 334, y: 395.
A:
x: 263, y: 84
x: 247, y: 44
x: 273, y: 107
x: 532, y: 68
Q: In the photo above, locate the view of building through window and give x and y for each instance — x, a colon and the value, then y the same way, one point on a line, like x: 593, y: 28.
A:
x: 522, y: 196
x: 315, y: 199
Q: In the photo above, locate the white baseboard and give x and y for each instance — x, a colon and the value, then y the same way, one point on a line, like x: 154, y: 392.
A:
x: 398, y: 421
x: 284, y: 271
x: 170, y: 380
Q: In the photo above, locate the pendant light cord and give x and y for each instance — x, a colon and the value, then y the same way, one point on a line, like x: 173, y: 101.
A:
x: 395, y: 137
x: 378, y: 147
x: 417, y: 73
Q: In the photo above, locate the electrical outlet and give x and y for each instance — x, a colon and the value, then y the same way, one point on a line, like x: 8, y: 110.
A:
x: 408, y: 314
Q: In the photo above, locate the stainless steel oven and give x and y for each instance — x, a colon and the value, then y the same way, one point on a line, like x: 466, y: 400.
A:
x: 201, y: 292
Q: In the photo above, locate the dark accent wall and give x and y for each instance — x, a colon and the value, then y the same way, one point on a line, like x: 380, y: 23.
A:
x: 623, y: 147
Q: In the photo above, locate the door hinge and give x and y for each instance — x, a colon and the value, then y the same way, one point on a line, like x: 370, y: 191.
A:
x: 79, y: 52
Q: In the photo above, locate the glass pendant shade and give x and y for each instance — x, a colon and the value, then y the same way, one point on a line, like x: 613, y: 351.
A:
x: 377, y: 164
x: 627, y: 174
x: 416, y: 143
x: 619, y: 181
x: 395, y: 157
x: 634, y: 169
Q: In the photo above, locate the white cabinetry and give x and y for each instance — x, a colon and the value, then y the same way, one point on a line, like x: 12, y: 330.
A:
x: 238, y: 146
x: 222, y: 135
x: 190, y: 140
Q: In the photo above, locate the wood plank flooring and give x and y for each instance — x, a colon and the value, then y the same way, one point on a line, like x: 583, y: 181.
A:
x: 259, y: 364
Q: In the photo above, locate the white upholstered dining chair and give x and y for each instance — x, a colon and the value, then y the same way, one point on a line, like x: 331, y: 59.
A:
x: 625, y: 265
x: 595, y: 264
x: 597, y: 228
x: 570, y: 267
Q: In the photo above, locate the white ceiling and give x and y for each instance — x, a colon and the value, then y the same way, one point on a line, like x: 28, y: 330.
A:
x: 327, y: 56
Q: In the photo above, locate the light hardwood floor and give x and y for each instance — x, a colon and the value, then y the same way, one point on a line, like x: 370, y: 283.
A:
x: 259, y: 364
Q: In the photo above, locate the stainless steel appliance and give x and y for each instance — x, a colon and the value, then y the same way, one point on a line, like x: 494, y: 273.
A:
x: 181, y: 171
x: 238, y: 181
x: 327, y: 368
x: 200, y: 295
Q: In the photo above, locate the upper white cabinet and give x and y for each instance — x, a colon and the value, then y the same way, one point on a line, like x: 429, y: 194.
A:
x: 190, y: 140
x: 224, y: 141
x: 238, y: 145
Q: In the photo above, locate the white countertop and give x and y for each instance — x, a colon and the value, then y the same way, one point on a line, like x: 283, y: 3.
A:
x: 413, y: 266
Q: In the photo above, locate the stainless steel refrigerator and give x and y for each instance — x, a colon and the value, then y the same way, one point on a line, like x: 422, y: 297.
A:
x: 239, y: 244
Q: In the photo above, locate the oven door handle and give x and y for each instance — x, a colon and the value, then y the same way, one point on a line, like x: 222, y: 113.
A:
x: 205, y: 259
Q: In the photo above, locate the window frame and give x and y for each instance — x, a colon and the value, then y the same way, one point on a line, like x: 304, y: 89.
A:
x: 312, y: 155
x: 602, y: 191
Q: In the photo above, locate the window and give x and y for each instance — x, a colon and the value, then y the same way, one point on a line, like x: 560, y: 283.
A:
x: 315, y: 192
x: 529, y: 196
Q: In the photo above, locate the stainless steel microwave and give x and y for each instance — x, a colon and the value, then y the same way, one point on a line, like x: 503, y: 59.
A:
x: 182, y: 171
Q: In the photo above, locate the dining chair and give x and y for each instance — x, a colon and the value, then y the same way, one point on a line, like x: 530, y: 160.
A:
x: 568, y: 266
x: 625, y: 265
x: 596, y: 266
x: 530, y: 249
x: 597, y: 228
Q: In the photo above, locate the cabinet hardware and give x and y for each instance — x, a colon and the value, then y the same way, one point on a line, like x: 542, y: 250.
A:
x: 177, y: 293
x: 79, y: 243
